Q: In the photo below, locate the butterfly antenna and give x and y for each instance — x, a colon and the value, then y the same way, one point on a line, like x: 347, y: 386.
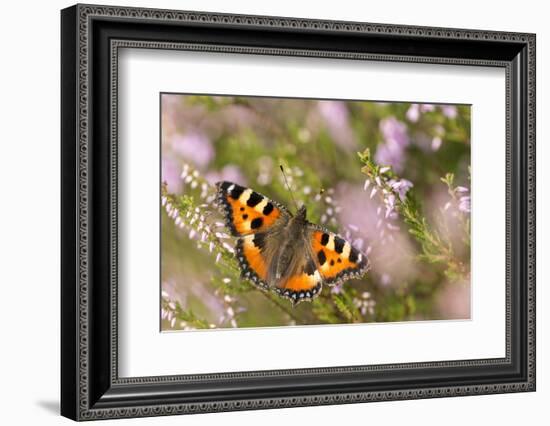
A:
x: 288, y: 186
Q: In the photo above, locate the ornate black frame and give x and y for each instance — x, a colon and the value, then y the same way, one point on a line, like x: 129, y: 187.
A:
x: 90, y: 38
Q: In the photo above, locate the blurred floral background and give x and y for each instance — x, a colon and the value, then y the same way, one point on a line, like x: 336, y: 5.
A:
x: 393, y: 178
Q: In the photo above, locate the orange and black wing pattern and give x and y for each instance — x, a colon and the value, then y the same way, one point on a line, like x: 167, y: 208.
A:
x: 250, y: 216
x: 252, y: 259
x: 337, y: 260
x: 304, y: 284
x: 246, y: 211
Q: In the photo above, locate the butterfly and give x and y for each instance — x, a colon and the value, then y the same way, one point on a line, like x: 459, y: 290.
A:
x: 282, y: 252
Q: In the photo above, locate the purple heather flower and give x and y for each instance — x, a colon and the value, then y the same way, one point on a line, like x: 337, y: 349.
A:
x: 436, y: 143
x: 238, y: 116
x: 365, y: 303
x: 401, y: 187
x: 171, y: 175
x: 230, y: 172
x: 373, y: 192
x: 464, y: 204
x: 366, y: 184
x: 336, y: 116
x: 394, y: 131
x: 391, y: 152
x: 391, y: 155
x: 195, y: 147
x: 427, y: 108
x: 337, y: 289
x: 449, y: 111
x: 413, y: 113
x: 389, y: 201
x: 358, y: 243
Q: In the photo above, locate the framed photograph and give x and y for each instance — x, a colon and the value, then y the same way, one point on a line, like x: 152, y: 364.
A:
x: 263, y: 212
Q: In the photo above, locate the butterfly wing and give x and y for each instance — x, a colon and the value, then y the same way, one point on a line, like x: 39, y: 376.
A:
x: 336, y: 259
x: 325, y: 257
x: 303, y: 284
x: 318, y: 255
x: 303, y: 280
x: 257, y: 221
x: 247, y: 211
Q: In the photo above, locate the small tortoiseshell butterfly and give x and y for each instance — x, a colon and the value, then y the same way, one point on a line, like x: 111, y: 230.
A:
x: 283, y: 252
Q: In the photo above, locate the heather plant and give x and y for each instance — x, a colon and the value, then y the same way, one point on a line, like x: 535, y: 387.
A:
x: 392, y: 178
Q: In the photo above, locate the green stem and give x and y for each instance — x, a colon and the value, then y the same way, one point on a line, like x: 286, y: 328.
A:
x: 434, y: 249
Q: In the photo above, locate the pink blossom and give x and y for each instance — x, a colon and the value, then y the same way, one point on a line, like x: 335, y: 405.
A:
x: 401, y: 187
x: 336, y: 116
x: 195, y: 147
x: 436, y: 143
x: 392, y: 151
x: 394, y: 131
x: 337, y: 289
x: 464, y: 204
x: 427, y: 108
x: 449, y: 111
x: 170, y: 175
x: 230, y: 172
x: 413, y: 113
x: 390, y: 154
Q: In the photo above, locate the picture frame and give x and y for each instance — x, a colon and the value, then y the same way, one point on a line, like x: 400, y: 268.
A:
x: 91, y: 387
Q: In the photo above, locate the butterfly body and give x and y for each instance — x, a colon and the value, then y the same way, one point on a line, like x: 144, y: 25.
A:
x: 283, y: 252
